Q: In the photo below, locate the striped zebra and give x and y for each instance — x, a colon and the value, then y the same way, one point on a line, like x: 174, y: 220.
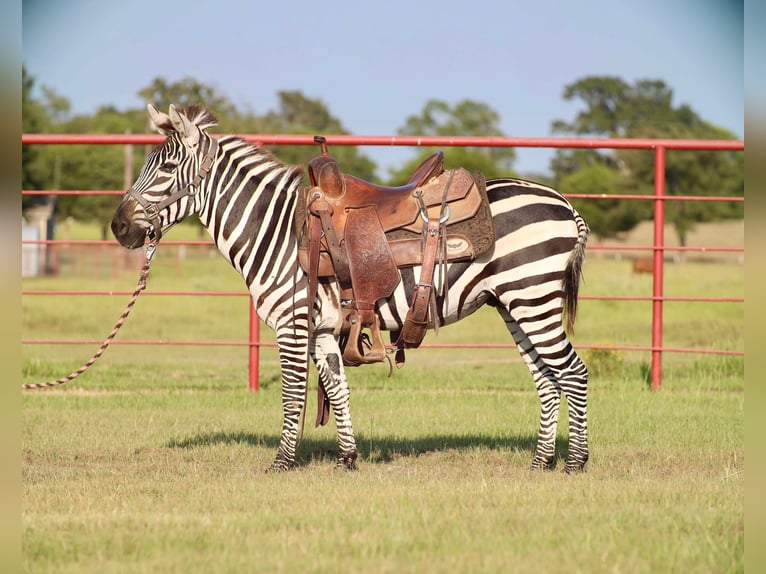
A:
x: 246, y: 199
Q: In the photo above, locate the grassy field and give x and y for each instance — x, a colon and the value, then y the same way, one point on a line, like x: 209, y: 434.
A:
x: 153, y: 461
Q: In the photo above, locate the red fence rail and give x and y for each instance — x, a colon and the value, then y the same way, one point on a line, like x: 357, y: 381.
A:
x: 658, y: 247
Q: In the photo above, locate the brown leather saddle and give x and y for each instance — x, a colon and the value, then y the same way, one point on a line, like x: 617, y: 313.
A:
x: 361, y: 234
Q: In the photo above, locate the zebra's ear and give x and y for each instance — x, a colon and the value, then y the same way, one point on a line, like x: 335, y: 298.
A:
x: 184, y: 126
x: 161, y: 121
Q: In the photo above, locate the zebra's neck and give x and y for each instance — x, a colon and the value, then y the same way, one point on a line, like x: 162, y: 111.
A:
x: 248, y: 208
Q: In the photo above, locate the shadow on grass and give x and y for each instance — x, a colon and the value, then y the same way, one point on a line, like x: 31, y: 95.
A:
x: 376, y: 450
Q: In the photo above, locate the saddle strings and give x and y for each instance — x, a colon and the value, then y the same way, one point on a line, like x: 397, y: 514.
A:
x: 443, y: 217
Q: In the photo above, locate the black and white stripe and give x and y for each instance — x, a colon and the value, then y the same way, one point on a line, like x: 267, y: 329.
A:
x: 247, y: 202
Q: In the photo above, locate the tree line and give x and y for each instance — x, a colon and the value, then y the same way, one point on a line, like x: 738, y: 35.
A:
x: 610, y: 107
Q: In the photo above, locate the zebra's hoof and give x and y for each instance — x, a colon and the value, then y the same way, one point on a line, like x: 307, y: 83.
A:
x: 281, y: 465
x: 574, y: 467
x: 543, y: 464
x: 576, y: 463
x: 278, y: 468
x: 347, y: 461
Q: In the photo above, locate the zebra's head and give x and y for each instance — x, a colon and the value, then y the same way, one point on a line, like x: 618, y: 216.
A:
x: 163, y: 194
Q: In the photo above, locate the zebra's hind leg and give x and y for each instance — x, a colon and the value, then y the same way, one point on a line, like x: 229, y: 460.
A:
x: 572, y: 380
x: 557, y: 368
x: 574, y: 383
x: 550, y: 402
x: 548, y: 392
x: 327, y: 357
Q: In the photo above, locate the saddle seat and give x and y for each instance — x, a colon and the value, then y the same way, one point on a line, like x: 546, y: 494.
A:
x: 325, y: 173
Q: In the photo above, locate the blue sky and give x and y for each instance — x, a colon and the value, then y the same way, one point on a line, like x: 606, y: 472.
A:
x: 375, y: 63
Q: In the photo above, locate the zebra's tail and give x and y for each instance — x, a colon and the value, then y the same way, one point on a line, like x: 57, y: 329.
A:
x: 573, y: 273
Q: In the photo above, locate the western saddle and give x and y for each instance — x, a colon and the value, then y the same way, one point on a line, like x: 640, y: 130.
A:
x: 361, y: 234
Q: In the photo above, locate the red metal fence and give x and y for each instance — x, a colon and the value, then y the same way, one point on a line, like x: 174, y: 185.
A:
x: 658, y: 247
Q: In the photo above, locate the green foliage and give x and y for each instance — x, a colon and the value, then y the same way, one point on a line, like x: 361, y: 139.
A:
x: 184, y: 92
x: 298, y: 114
x: 606, y: 217
x: 453, y: 157
x: 466, y: 118
x: 76, y: 167
x: 101, y: 167
x: 603, y: 362
x: 615, y: 108
x: 703, y: 173
x: 86, y: 167
x: 34, y: 118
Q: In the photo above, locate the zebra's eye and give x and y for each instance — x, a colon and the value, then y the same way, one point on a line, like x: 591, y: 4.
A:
x: 168, y: 166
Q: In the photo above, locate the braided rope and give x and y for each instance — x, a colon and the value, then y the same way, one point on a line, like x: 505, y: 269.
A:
x: 139, y: 288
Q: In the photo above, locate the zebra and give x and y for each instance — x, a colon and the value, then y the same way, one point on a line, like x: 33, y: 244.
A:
x: 246, y: 199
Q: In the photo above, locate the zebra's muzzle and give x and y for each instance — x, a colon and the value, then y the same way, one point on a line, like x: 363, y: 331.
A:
x: 129, y: 232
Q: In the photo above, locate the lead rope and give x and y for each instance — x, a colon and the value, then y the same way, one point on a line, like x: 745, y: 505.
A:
x: 140, y: 287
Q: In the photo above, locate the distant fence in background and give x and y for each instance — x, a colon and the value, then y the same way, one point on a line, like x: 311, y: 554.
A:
x: 70, y: 252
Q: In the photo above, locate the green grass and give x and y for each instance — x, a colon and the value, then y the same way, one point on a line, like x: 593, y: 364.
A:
x: 145, y: 474
x: 153, y: 461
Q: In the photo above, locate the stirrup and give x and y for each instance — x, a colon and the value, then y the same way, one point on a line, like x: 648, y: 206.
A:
x: 352, y: 354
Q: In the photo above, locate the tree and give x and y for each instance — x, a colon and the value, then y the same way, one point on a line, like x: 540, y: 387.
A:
x: 298, y: 114
x: 77, y: 167
x: 161, y: 93
x: 295, y: 114
x: 34, y: 119
x: 614, y: 108
x: 101, y: 167
x: 466, y: 118
x: 606, y: 217
x: 690, y: 173
x: 89, y: 167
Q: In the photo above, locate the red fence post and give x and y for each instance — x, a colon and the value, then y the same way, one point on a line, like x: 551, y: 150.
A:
x: 254, y: 346
x: 659, y: 261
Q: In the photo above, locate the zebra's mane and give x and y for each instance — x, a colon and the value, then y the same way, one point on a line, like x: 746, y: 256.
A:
x: 205, y: 119
x: 201, y: 117
x: 198, y: 115
x: 252, y: 150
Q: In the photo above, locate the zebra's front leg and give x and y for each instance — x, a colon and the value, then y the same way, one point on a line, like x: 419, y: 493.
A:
x: 327, y: 357
x: 291, y: 407
x: 294, y: 367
